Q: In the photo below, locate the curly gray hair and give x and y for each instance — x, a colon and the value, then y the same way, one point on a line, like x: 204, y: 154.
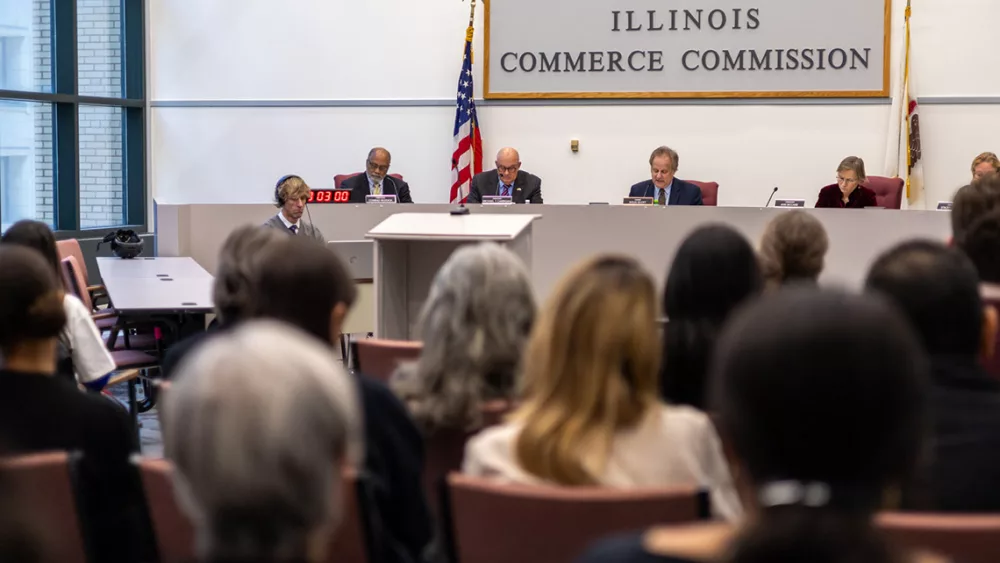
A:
x: 474, y: 326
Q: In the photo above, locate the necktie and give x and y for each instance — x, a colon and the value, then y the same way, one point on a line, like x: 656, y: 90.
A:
x: 505, y: 192
x: 377, y: 189
x: 294, y: 229
x: 663, y: 196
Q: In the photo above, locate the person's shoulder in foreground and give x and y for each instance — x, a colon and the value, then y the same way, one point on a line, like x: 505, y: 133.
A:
x: 44, y: 412
x: 673, y: 544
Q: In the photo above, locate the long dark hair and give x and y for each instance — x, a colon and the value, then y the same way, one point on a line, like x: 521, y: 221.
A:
x: 715, y: 270
x: 821, y: 394
x: 36, y: 235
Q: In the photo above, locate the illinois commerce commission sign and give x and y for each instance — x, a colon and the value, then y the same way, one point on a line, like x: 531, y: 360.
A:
x: 686, y: 48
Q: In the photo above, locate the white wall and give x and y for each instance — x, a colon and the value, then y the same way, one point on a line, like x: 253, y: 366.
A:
x: 343, y: 51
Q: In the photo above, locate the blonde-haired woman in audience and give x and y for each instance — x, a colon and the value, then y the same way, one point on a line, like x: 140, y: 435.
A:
x: 258, y: 464
x: 591, y: 413
x: 474, y: 326
x: 985, y: 163
x: 793, y: 249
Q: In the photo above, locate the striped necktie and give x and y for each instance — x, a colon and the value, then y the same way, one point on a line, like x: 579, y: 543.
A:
x: 663, y: 196
x: 506, y: 191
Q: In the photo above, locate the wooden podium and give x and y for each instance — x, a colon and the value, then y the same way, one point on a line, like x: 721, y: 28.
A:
x: 410, y: 248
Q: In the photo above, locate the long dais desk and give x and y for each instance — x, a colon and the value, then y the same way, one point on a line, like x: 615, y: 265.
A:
x: 566, y: 234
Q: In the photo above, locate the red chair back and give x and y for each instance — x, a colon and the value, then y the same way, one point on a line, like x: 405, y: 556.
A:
x: 172, y: 529
x: 444, y: 449
x: 992, y: 365
x: 71, y: 247
x: 709, y: 192
x: 888, y: 191
x: 339, y: 178
x: 73, y: 275
x: 553, y: 524
x: 175, y: 534
x: 44, y: 481
x: 969, y: 538
x: 379, y: 358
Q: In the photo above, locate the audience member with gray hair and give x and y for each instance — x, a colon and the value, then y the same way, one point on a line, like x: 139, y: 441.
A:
x: 258, y: 462
x: 473, y: 326
x: 303, y: 283
x: 231, y: 291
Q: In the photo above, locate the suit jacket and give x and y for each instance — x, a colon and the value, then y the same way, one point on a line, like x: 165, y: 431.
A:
x: 527, y: 187
x: 305, y: 228
x: 681, y: 192
x: 390, y: 186
x: 831, y: 196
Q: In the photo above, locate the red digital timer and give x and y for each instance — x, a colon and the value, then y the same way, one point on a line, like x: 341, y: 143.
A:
x: 329, y: 196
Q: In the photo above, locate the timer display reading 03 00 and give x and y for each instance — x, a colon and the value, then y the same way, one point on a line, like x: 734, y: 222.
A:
x: 329, y: 196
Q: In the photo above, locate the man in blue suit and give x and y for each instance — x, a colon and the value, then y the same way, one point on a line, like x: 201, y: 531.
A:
x: 664, y: 188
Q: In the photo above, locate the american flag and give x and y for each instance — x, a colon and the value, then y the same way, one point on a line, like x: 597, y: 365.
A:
x: 467, y: 160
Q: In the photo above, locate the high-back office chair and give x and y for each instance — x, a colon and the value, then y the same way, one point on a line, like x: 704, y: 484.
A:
x: 71, y: 247
x: 553, y: 524
x: 709, y: 192
x: 351, y: 543
x: 44, y: 481
x: 969, y: 538
x: 379, y: 358
x: 339, y: 178
x: 888, y: 191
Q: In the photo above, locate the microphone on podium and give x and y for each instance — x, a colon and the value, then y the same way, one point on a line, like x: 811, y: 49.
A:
x: 774, y: 191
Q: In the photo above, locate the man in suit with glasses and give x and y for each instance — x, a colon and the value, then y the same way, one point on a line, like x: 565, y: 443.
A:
x: 506, y: 180
x: 376, y: 180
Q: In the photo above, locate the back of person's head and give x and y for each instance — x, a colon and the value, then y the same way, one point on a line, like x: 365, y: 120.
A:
x: 972, y: 202
x: 937, y: 289
x: 822, y: 397
x: 473, y: 326
x: 31, y: 298
x: 239, y: 259
x: 981, y: 243
x: 793, y: 248
x: 590, y: 368
x: 38, y: 236
x: 302, y: 282
x: 258, y: 424
x: 715, y: 269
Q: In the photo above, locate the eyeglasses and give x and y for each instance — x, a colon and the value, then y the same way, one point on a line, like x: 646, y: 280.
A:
x: 846, y: 181
x: 378, y: 167
x: 506, y: 169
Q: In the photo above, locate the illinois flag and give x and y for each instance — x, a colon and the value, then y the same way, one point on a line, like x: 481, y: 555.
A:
x: 467, y: 159
x: 903, y: 154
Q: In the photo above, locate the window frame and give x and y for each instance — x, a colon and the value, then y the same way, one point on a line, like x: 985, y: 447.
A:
x: 66, y: 101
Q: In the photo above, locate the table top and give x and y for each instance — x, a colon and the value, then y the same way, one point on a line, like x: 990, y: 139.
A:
x: 157, y: 295
x: 444, y: 226
x: 157, y: 285
x: 167, y: 267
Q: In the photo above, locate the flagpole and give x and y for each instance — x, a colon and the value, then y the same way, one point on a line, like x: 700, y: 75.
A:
x: 469, y: 33
x: 906, y: 100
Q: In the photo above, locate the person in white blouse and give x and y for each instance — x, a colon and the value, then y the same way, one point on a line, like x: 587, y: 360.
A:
x: 591, y: 414
x: 80, y: 340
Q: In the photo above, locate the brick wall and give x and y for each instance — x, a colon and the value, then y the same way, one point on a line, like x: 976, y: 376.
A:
x: 101, y: 135
x: 41, y: 53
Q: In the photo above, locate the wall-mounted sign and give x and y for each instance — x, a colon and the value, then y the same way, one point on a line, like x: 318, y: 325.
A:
x: 687, y: 48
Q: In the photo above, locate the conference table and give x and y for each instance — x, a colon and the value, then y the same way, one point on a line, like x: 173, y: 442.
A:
x: 157, y: 286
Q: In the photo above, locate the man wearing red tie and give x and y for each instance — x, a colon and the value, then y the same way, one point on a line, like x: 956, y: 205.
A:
x: 506, y: 180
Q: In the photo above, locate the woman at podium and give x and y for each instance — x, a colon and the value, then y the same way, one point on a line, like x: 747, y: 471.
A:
x: 848, y: 192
